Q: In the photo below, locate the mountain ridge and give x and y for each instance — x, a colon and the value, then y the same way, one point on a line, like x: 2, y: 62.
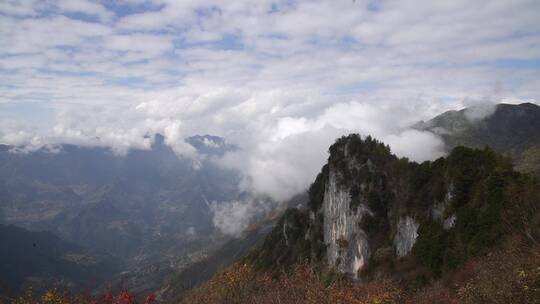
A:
x: 506, y: 128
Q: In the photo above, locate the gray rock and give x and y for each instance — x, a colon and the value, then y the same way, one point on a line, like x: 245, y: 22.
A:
x: 348, y: 247
x: 407, y: 232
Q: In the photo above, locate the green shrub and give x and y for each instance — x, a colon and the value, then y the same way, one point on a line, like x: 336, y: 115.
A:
x: 431, y: 245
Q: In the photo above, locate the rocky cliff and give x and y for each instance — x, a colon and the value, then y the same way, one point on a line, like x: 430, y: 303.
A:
x: 348, y: 246
x: 370, y: 213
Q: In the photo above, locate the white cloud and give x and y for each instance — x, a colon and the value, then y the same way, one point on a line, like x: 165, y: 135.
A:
x: 480, y: 109
x: 17, y: 134
x: 85, y: 7
x: 148, y: 45
x: 416, y: 145
x: 282, y: 155
x: 233, y: 217
x: 17, y: 8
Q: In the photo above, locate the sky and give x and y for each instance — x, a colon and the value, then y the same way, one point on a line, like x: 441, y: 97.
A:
x: 280, y: 79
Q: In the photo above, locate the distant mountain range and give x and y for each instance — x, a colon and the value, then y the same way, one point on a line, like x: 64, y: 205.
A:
x: 513, y: 130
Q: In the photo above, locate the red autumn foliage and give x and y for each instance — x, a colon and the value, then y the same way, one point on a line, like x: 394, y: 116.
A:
x: 56, y: 297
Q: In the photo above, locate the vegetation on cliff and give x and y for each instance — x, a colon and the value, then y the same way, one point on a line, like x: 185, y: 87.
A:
x: 487, y: 212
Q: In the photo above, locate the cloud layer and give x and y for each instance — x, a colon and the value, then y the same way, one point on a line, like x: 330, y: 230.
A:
x: 280, y: 79
x: 233, y: 217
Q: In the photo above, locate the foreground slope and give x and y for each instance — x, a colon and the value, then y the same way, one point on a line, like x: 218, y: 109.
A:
x: 382, y: 226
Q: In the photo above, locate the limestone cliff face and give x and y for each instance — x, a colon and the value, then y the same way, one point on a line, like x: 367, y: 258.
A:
x: 407, y: 232
x: 347, y: 244
x: 348, y: 248
x: 365, y: 207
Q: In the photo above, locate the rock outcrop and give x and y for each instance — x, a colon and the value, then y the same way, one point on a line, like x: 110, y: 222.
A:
x: 347, y: 244
x: 407, y: 232
x: 369, y: 210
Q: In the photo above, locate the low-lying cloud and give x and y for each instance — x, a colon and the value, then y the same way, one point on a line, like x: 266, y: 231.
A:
x: 284, y: 156
x: 233, y: 217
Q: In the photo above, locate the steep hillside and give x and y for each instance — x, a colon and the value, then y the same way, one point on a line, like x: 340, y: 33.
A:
x: 40, y: 259
x: 373, y: 217
x: 511, y: 129
x: 231, y: 252
x: 200, y: 271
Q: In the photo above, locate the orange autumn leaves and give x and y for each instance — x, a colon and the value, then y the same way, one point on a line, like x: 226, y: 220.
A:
x: 510, y: 274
